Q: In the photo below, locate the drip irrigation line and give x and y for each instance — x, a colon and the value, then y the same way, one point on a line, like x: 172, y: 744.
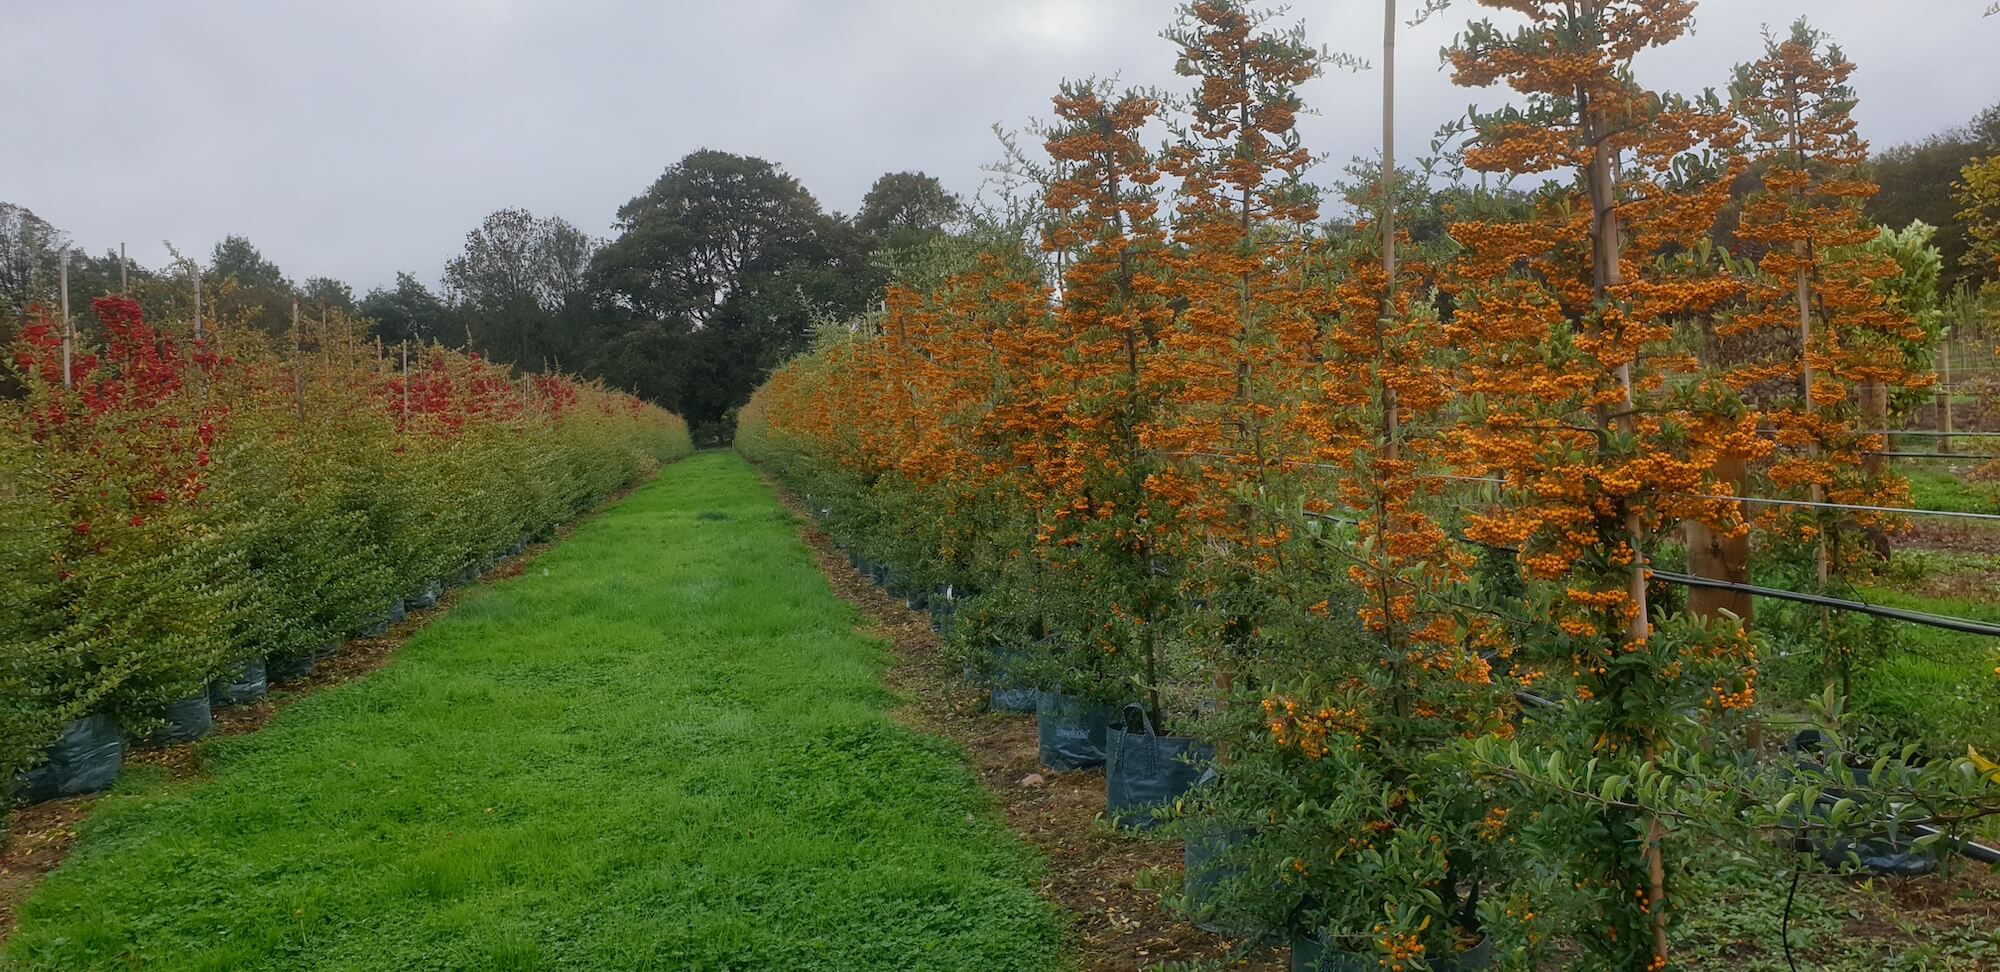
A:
x: 1962, y: 625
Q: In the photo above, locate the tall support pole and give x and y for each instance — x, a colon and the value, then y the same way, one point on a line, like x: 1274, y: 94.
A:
x: 1390, y: 420
x: 298, y: 363
x: 199, y: 331
x: 406, y: 384
x: 68, y: 331
x: 124, y: 273
x: 1944, y: 393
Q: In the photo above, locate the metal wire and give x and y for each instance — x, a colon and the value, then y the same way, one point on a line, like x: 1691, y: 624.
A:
x: 1753, y: 500
x: 1945, y: 622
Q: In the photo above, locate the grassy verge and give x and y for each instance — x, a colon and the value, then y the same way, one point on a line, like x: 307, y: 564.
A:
x: 663, y: 746
x: 1941, y: 486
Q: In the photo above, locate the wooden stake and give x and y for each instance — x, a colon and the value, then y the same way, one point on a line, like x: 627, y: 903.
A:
x: 124, y: 275
x: 1944, y: 393
x: 298, y: 377
x: 68, y: 332
x: 195, y: 269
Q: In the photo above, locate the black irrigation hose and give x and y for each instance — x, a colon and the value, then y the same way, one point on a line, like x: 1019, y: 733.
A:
x: 1914, y: 617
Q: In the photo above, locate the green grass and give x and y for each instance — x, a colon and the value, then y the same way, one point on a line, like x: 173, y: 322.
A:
x: 1941, y: 487
x: 1938, y: 685
x: 661, y: 747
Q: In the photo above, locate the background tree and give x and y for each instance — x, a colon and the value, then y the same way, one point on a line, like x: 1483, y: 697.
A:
x: 325, y: 295
x: 733, y: 249
x: 1916, y: 184
x: 1977, y: 195
x: 519, y: 289
x: 714, y: 227
x: 408, y: 311
x: 29, y: 250
x: 240, y: 283
x: 904, y: 208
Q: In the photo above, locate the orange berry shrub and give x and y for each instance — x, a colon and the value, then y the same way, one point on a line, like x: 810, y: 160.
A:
x: 1606, y: 433
x: 1307, y: 533
x: 185, y: 505
x: 1819, y: 342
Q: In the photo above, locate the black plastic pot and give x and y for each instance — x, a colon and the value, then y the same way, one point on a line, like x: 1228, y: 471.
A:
x: 187, y: 720
x: 398, y: 611
x: 285, y: 668
x: 917, y: 600
x: 374, y: 629
x: 246, y: 684
x: 85, y: 758
x: 1145, y: 771
x: 1309, y: 954
x: 1204, y: 860
x: 1070, y: 731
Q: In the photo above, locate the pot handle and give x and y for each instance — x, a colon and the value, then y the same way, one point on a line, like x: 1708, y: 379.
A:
x: 1145, y: 719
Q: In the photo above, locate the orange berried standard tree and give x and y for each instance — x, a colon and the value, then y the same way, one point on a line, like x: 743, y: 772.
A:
x: 1819, y: 343
x: 1604, y: 435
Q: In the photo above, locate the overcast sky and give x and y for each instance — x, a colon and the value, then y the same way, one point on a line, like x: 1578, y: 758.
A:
x: 355, y: 138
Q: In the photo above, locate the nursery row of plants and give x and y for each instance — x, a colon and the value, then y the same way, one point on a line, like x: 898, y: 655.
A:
x: 188, y: 512
x: 1343, y: 539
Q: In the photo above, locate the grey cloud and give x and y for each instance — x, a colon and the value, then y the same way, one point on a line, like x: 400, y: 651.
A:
x: 355, y: 138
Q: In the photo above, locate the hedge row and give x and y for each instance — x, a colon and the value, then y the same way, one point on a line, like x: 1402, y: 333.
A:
x: 177, y: 508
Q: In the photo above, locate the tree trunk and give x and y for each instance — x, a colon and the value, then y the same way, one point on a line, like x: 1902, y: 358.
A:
x: 1714, y: 556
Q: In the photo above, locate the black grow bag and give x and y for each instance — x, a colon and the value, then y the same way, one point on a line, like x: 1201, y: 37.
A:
x: 85, y: 758
x: 1205, y: 861
x: 1014, y: 700
x: 1145, y: 771
x: 425, y: 599
x: 186, y: 720
x: 1887, y: 850
x: 246, y: 684
x: 398, y: 611
x: 1070, y: 732
x: 1309, y: 954
x: 1008, y: 694
x: 284, y: 668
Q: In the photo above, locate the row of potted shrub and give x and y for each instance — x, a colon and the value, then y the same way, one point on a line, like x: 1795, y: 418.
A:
x: 182, y: 509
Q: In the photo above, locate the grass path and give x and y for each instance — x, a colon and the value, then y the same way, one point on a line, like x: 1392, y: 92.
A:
x: 662, y: 747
